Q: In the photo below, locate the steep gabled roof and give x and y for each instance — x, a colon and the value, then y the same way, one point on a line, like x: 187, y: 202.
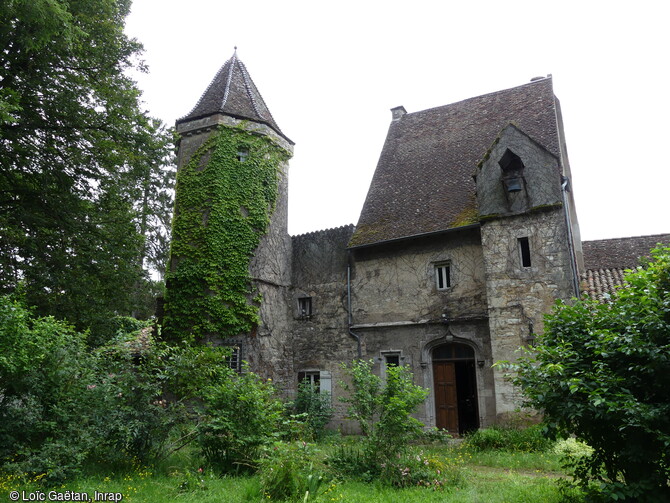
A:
x: 233, y: 93
x: 423, y: 182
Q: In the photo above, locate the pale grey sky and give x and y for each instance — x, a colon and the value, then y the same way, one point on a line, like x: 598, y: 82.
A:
x: 330, y: 72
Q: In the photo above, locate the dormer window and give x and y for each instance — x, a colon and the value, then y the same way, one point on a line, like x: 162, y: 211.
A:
x: 512, y: 171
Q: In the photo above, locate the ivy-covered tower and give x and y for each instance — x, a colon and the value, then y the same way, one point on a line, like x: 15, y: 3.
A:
x: 230, y: 255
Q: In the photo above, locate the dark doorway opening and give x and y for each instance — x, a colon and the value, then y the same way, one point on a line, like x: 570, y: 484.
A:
x: 455, y: 385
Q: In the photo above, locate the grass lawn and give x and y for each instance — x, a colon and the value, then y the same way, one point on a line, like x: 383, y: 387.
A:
x: 487, y: 476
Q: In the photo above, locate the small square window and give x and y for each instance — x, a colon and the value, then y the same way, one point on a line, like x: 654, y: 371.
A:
x: 443, y: 276
x: 242, y: 154
x: 305, y: 307
x: 392, y: 360
x: 524, y: 251
x: 312, y: 377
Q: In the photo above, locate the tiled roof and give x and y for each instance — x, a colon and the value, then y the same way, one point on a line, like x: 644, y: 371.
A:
x: 232, y: 92
x: 598, y: 284
x: 423, y: 182
x: 606, y: 259
x: 620, y: 252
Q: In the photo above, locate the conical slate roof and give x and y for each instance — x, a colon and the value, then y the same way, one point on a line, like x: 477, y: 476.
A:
x: 233, y: 93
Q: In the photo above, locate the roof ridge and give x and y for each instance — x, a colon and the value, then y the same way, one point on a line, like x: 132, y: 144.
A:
x: 226, y: 92
x: 627, y: 237
x: 202, y: 96
x: 247, y: 87
x: 341, y: 227
x: 479, y: 96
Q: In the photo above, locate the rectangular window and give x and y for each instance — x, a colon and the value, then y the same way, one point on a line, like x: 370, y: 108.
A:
x: 313, y: 377
x: 233, y: 360
x: 524, y: 252
x: 443, y: 276
x: 392, y: 360
x: 319, y: 380
x: 305, y: 307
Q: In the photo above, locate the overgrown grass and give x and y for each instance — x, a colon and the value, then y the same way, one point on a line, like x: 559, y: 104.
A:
x: 487, y: 475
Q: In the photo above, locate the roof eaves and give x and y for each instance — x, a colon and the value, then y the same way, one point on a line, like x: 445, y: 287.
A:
x: 413, y: 236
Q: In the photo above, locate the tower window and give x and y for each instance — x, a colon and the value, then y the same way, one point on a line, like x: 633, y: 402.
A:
x: 524, y: 251
x: 443, y: 276
x: 242, y: 154
x: 305, y: 307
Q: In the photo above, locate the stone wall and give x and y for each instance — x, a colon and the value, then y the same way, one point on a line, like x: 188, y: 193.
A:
x: 523, y: 280
x: 320, y: 339
x: 519, y: 296
x: 398, y: 308
x: 396, y: 282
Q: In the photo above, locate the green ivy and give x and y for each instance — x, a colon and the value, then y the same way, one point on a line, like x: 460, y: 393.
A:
x: 223, y: 206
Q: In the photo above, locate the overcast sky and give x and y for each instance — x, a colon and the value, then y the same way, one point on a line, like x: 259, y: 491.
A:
x: 331, y: 71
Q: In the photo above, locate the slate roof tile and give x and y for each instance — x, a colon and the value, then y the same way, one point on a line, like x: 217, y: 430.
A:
x: 423, y: 182
x: 233, y: 92
x: 620, y: 252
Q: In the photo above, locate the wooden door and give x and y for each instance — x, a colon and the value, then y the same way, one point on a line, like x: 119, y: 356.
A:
x: 446, y: 396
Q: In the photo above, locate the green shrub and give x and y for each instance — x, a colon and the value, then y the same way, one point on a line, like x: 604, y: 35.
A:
x: 313, y: 407
x: 602, y: 373
x: 63, y: 404
x: 354, y: 462
x: 383, y: 409
x: 241, y: 414
x: 529, y: 439
x: 415, y: 468
x: 288, y: 471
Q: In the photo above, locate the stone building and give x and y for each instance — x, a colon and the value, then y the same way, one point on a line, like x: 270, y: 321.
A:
x: 468, y: 235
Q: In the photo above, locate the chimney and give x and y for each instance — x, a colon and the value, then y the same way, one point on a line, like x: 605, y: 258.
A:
x: 398, y: 112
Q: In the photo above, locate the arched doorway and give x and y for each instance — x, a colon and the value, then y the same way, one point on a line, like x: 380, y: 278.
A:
x: 455, y: 385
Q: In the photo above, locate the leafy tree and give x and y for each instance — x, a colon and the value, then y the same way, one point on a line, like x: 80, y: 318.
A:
x: 601, y: 371
x: 63, y: 405
x: 81, y: 165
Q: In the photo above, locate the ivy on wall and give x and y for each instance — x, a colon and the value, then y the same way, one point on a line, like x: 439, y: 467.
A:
x: 225, y: 196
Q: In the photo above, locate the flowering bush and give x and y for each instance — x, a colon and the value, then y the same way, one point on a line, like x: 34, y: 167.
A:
x: 414, y: 468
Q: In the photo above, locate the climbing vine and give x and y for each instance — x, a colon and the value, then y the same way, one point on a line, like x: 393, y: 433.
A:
x: 225, y: 196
